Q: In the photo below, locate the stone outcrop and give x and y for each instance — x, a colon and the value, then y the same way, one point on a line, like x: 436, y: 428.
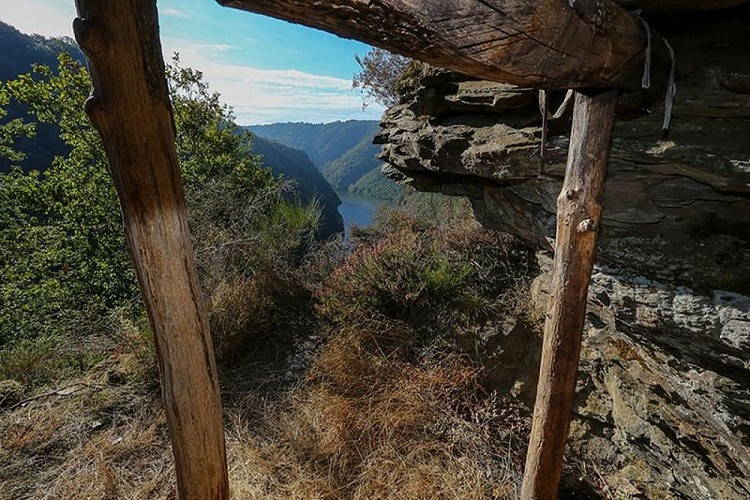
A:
x: 676, y: 209
x: 663, y: 407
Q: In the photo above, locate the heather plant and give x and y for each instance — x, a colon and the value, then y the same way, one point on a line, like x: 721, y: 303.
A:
x: 392, y: 405
x: 410, y: 269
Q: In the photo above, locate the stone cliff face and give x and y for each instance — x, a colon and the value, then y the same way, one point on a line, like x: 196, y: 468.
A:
x: 664, y: 400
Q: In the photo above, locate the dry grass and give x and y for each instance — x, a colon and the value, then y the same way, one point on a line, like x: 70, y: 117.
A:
x: 368, y: 423
x: 383, y: 405
x: 88, y: 440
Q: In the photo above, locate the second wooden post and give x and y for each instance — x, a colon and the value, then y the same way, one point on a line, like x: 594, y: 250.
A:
x: 579, y: 209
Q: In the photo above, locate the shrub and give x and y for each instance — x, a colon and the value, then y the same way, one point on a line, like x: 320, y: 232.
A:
x: 379, y: 76
x: 63, y: 259
x: 425, y: 274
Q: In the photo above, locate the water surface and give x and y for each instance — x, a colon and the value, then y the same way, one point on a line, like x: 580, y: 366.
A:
x: 357, y: 210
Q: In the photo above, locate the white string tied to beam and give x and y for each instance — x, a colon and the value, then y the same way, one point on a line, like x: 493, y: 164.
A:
x: 645, y: 84
x: 671, y: 93
x: 646, y: 80
x: 546, y: 115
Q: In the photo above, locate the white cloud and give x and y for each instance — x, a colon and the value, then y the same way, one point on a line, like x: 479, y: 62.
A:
x: 39, y: 16
x: 215, y: 47
x: 257, y: 95
x: 267, y: 96
x: 171, y: 11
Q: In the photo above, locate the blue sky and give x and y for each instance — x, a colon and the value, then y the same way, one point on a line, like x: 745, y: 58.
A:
x: 267, y: 70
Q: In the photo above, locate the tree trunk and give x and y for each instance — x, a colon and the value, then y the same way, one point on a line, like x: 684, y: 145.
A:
x: 550, y: 44
x: 578, y: 214
x: 130, y: 108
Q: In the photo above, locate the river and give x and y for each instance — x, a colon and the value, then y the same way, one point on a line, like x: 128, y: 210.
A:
x: 357, y: 210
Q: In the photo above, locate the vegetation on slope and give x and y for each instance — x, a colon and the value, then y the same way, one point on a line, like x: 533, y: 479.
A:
x: 63, y: 260
x: 357, y: 161
x: 323, y: 142
x: 344, y: 376
x: 38, y: 141
x: 20, y: 52
x: 342, y: 151
x: 305, y: 182
x: 374, y: 185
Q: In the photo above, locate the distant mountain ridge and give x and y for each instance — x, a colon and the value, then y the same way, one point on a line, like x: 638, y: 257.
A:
x: 343, y: 152
x: 309, y: 184
x: 21, y: 51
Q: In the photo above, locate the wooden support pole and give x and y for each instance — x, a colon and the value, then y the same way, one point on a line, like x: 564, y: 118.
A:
x: 130, y: 108
x: 579, y: 209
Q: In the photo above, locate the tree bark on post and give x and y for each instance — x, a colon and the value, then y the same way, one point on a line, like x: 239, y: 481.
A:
x: 130, y: 108
x: 578, y: 215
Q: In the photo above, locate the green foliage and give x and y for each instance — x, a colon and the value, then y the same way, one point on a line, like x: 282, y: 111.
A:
x: 209, y: 143
x: 36, y: 146
x: 375, y: 185
x: 33, y: 362
x: 63, y: 252
x: 302, y: 182
x: 11, y: 131
x: 381, y: 71
x: 63, y: 257
x: 323, y: 142
x: 348, y: 168
x: 342, y: 151
x: 407, y: 268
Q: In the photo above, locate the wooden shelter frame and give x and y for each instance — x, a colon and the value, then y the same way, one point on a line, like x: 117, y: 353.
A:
x: 593, y: 46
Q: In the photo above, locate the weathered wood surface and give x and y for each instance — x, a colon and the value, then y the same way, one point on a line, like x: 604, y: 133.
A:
x: 578, y: 216
x: 130, y: 108
x: 552, y: 44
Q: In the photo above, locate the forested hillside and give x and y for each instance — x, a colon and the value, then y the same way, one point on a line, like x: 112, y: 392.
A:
x: 19, y: 53
x: 342, y: 151
x: 306, y: 182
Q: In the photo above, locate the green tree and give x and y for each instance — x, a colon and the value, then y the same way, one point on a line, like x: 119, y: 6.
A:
x: 380, y: 76
x: 62, y: 251
x: 210, y: 145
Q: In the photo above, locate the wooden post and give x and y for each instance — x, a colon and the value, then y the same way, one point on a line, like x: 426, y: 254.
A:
x: 578, y: 214
x: 130, y: 108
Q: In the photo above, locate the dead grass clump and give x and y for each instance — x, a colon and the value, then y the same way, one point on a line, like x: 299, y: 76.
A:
x: 86, y: 440
x: 376, y: 420
x: 99, y: 434
x: 386, y: 404
x: 246, y: 309
x: 423, y: 472
x: 130, y: 460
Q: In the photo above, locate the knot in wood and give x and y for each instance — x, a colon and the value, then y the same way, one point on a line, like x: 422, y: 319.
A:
x: 587, y: 225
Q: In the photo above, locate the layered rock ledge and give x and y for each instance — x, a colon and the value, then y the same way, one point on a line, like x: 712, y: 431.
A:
x: 663, y: 406
x: 676, y: 209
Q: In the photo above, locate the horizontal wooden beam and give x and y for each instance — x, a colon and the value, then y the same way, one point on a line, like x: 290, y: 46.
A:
x: 549, y: 44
